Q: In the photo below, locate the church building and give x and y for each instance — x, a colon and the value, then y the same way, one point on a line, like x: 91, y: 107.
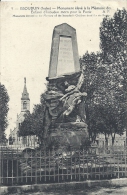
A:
x: 14, y: 138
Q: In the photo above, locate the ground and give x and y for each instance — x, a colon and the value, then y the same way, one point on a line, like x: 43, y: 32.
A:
x: 91, y: 191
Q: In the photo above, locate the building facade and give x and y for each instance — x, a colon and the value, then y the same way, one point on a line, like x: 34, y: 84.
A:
x: 120, y: 140
x: 14, y: 138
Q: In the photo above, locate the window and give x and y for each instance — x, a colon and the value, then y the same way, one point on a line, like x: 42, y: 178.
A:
x: 24, y: 140
x: 18, y: 133
x: 13, y: 139
x: 25, y: 105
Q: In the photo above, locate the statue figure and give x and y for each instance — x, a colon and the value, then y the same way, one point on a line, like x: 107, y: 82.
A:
x: 73, y: 96
x: 68, y: 106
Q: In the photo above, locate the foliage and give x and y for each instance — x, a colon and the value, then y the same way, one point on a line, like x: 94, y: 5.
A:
x: 105, y: 81
x: 113, y: 36
x: 36, y: 123
x: 4, y: 99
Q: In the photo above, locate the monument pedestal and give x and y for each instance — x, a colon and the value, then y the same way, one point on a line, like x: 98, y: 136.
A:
x: 71, y: 134
x: 65, y: 96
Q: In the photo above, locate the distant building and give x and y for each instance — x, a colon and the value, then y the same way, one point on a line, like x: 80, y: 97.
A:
x: 14, y: 138
x: 120, y: 140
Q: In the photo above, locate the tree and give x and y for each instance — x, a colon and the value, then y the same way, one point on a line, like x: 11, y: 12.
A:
x: 36, y: 123
x: 113, y: 37
x: 106, y: 78
x: 113, y: 43
x: 93, y: 85
x: 105, y: 112
x: 4, y: 99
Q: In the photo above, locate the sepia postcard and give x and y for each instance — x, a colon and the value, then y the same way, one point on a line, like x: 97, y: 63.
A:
x: 63, y: 80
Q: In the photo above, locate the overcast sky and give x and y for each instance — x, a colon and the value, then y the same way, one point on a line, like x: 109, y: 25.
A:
x: 25, y: 49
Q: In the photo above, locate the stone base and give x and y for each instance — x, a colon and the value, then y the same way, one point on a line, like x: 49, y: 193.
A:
x: 76, y: 125
x: 71, y: 134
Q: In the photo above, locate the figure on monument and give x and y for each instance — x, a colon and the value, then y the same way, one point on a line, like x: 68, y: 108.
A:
x: 73, y: 96
x: 64, y: 97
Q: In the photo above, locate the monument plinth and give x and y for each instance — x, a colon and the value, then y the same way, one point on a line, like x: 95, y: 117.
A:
x: 64, y: 97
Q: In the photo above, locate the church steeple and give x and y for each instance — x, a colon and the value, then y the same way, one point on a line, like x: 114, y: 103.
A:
x: 25, y: 94
x: 25, y: 101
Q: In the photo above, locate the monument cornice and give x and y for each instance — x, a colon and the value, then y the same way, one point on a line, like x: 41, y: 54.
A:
x: 63, y: 77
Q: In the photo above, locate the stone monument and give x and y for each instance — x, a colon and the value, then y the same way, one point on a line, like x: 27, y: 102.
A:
x: 64, y: 58
x: 64, y: 97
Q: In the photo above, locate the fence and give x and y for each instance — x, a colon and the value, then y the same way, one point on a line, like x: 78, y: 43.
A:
x: 45, y: 166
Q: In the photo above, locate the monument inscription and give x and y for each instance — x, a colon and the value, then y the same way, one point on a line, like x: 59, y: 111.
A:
x: 65, y: 56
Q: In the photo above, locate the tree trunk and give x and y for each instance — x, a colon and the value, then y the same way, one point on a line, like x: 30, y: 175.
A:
x: 106, y: 141
x: 113, y: 139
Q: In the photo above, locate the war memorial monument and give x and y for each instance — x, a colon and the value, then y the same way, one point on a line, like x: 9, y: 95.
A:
x: 64, y: 97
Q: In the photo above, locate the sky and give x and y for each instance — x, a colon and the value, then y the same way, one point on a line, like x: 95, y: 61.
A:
x: 26, y: 45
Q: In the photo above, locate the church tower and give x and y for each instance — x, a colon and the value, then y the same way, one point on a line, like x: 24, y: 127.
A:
x: 25, y: 101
